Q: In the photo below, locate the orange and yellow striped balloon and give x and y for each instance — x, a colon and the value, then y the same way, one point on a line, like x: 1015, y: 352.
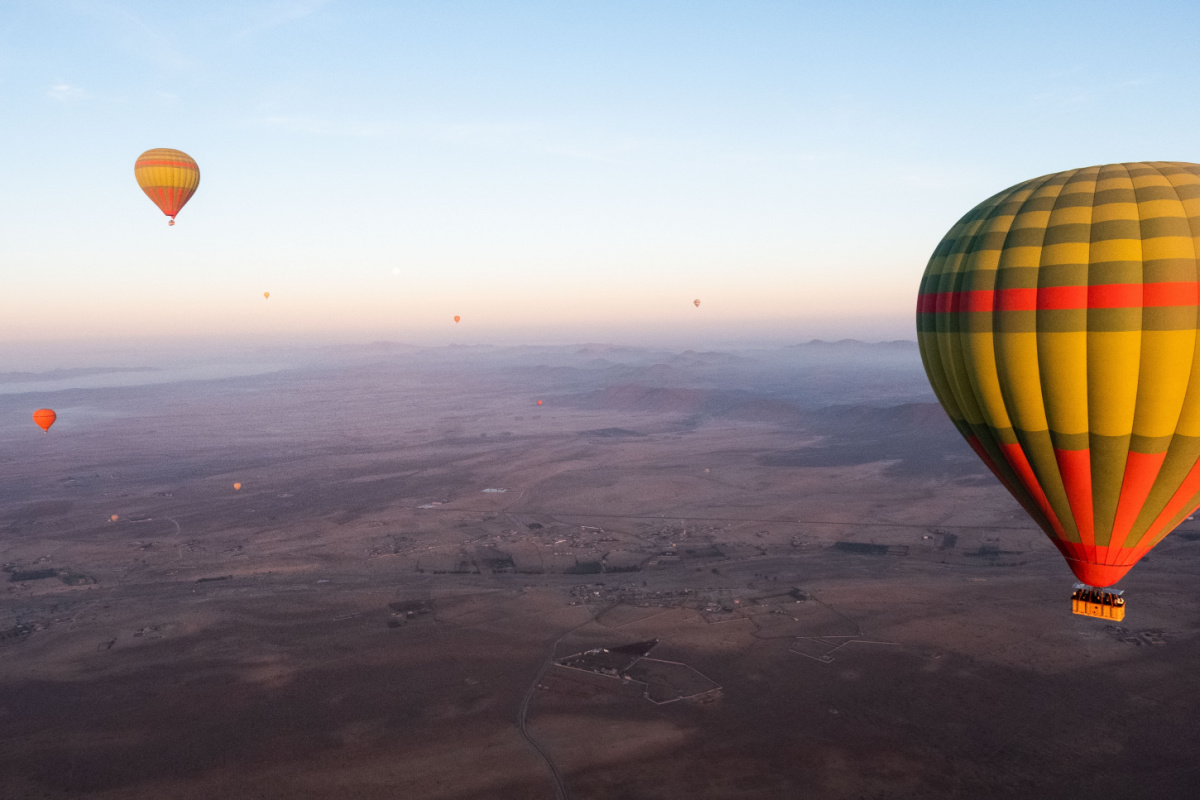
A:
x: 1057, y: 322
x: 168, y: 177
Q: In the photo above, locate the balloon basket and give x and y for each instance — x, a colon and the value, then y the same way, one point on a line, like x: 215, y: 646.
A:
x: 1089, y: 601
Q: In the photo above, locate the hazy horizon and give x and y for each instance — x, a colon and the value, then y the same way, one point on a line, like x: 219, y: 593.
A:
x: 37, y: 355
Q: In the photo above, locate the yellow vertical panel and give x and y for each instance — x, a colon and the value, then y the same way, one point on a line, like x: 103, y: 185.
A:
x: 1189, y: 412
x: 936, y: 371
x: 950, y: 344
x: 929, y: 341
x: 1166, y: 366
x: 1188, y: 423
x: 1112, y: 380
x: 979, y: 356
x: 1017, y: 368
x: 1064, y: 380
x: 1166, y: 358
x: 960, y: 381
x: 1063, y: 353
x: 939, y: 371
x: 1113, y: 356
x: 1016, y: 352
x: 981, y: 359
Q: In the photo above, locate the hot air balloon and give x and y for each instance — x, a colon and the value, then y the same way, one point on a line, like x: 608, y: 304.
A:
x: 697, y: 303
x: 457, y: 318
x: 113, y: 518
x: 539, y: 402
x: 237, y: 487
x: 44, y: 417
x: 1057, y: 322
x: 168, y: 177
x: 266, y: 295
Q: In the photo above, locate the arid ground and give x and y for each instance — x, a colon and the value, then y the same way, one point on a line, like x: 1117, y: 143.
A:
x: 833, y: 598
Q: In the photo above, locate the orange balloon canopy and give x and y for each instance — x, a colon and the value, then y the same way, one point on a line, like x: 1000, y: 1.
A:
x: 114, y: 518
x: 237, y: 487
x: 539, y: 402
x: 697, y: 303
x: 457, y: 318
x: 44, y: 417
x: 168, y: 177
x: 266, y: 294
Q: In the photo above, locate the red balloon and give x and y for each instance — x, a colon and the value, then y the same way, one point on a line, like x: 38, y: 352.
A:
x: 44, y: 417
x: 539, y: 402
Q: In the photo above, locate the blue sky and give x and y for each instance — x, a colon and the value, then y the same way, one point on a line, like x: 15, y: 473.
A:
x: 549, y: 171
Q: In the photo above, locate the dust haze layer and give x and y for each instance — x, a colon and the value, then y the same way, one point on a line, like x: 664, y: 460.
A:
x: 830, y: 596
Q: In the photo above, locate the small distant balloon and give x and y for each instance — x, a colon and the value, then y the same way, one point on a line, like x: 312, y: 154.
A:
x: 114, y: 518
x: 457, y: 318
x: 168, y: 177
x: 697, y: 303
x: 266, y: 294
x: 539, y: 402
x: 44, y: 417
x: 237, y: 487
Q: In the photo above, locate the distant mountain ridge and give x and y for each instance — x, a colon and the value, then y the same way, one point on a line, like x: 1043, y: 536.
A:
x: 895, y: 344
x: 67, y: 374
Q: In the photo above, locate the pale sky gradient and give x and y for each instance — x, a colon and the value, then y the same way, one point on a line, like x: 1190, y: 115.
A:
x: 548, y: 170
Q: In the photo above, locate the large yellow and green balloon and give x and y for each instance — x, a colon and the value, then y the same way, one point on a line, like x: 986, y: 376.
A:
x: 1057, y: 322
x: 168, y: 177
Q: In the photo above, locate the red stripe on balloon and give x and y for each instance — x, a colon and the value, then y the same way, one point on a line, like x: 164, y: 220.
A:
x: 1141, y: 470
x: 1178, y: 502
x: 1063, y: 298
x: 157, y: 163
x: 1075, y: 467
x: 1016, y: 459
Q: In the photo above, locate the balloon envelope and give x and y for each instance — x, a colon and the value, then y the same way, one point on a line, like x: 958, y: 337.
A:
x: 697, y: 303
x: 266, y: 294
x: 457, y: 318
x: 114, y: 518
x: 539, y: 402
x: 237, y: 487
x: 1057, y: 322
x: 168, y: 177
x: 44, y: 417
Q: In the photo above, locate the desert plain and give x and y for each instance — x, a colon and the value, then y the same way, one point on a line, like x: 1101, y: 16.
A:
x: 771, y: 572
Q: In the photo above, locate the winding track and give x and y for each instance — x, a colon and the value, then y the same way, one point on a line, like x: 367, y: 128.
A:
x: 560, y: 788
